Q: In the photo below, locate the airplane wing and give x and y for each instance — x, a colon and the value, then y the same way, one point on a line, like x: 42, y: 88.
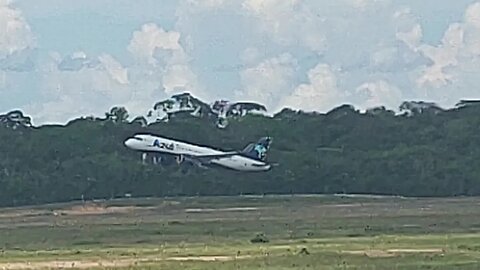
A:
x: 215, y: 156
x: 200, y: 160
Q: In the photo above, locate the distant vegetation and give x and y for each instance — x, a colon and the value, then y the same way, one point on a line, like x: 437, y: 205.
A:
x: 425, y: 151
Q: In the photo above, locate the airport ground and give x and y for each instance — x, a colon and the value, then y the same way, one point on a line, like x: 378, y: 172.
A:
x: 271, y: 232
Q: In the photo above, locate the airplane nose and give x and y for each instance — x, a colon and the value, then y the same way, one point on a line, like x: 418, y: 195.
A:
x: 128, y: 143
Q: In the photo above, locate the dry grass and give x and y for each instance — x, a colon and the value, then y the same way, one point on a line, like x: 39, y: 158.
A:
x: 214, y: 233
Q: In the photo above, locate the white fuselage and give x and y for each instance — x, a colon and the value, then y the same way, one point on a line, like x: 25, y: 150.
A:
x: 151, y: 143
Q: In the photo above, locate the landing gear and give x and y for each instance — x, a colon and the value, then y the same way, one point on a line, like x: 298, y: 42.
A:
x: 180, y: 159
x: 144, y: 158
x: 151, y: 158
x: 185, y: 164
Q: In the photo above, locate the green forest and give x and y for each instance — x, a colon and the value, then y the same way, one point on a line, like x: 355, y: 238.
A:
x: 425, y: 151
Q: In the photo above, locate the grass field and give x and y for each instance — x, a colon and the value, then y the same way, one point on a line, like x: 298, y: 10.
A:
x: 294, y: 232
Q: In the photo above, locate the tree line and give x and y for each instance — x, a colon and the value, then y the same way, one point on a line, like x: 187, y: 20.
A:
x: 425, y: 152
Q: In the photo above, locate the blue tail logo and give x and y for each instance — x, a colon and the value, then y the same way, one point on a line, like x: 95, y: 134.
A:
x: 258, y: 150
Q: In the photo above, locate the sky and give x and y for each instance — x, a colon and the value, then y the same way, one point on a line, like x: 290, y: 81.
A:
x: 62, y: 59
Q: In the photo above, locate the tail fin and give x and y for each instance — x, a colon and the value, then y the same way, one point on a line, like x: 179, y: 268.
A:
x: 258, y: 150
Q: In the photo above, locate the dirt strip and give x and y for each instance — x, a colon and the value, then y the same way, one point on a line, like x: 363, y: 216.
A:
x: 86, y: 264
x: 391, y: 252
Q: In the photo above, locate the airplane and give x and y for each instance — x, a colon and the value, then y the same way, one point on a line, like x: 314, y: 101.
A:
x: 250, y: 159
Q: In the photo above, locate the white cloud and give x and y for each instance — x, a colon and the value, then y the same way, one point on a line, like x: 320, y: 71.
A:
x: 90, y: 89
x: 411, y: 38
x: 472, y: 29
x: 371, y: 52
x: 114, y: 68
x: 364, y: 4
x: 442, y: 57
x: 472, y: 15
x: 81, y: 84
x: 79, y: 55
x: 357, y: 41
x: 450, y: 75
x: 59, y: 110
x: 146, y: 41
x: 268, y: 81
x: 289, y: 22
x: 179, y: 78
x: 75, y: 62
x: 378, y: 93
x: 250, y: 56
x: 162, y: 50
x: 15, y: 32
x: 320, y: 94
x: 206, y: 3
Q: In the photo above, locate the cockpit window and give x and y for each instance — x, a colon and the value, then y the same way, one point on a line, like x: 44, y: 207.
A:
x: 137, y: 138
